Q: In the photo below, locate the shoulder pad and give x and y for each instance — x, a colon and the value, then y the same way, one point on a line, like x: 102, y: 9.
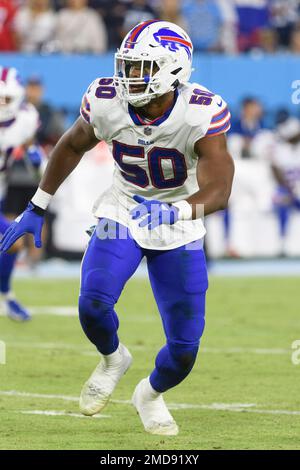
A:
x: 98, y: 98
x: 206, y: 109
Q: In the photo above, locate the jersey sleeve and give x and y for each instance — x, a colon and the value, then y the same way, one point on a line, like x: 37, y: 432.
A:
x: 96, y: 105
x: 207, y: 115
x: 85, y: 108
x: 220, y: 121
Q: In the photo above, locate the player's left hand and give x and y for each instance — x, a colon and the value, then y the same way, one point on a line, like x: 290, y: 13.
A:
x: 153, y: 213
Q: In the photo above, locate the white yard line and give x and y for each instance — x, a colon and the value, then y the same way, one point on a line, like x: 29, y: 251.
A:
x: 72, y: 311
x: 64, y: 311
x: 242, y: 350
x: 231, y: 407
x: 14, y: 393
x: 136, y: 347
x: 60, y: 310
x: 60, y: 413
x: 67, y: 346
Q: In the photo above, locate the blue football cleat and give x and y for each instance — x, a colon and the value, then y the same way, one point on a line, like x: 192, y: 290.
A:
x: 16, y: 312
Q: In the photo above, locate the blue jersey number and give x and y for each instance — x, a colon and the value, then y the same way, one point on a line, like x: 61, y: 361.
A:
x: 104, y: 90
x: 138, y: 176
x: 131, y: 172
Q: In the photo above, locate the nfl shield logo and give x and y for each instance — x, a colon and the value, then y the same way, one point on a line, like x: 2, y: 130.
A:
x: 147, y: 131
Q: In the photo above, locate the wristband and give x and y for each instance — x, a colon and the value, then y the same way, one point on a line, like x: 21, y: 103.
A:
x: 185, y: 210
x: 41, y: 199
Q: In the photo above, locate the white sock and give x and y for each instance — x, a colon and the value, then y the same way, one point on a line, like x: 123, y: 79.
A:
x: 114, y: 358
x: 7, y: 296
x: 149, y: 391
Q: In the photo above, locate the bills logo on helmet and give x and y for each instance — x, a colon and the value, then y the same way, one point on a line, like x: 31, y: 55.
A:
x: 168, y: 38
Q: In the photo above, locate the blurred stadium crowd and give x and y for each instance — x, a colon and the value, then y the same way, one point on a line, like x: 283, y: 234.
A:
x: 263, y: 218
x: 96, y: 26
x: 265, y: 143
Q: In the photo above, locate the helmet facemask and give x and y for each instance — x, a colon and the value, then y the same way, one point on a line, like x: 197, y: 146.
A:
x: 153, y: 59
x: 140, y: 80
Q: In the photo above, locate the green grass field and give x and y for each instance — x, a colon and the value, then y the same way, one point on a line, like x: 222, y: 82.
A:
x: 243, y: 392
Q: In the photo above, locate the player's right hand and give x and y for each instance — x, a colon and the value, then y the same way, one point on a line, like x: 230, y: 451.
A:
x: 35, y: 155
x: 28, y: 222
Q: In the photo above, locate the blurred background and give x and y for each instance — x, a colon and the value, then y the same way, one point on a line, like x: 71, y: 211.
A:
x: 249, y: 53
x: 246, y: 51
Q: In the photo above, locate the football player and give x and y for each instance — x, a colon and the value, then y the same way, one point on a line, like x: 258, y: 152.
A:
x: 18, y: 124
x: 285, y: 164
x: 172, y: 167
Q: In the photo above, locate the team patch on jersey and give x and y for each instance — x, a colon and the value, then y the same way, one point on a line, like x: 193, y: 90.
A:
x: 147, y: 131
x: 172, y: 41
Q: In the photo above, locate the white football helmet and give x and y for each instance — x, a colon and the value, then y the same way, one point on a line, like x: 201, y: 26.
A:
x: 154, y: 58
x: 11, y: 93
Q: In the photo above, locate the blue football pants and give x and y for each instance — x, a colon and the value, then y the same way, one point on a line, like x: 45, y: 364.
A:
x: 7, y: 260
x: 178, y: 279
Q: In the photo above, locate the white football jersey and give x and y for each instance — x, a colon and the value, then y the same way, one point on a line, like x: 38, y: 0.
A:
x: 14, y: 134
x: 155, y: 159
x: 287, y: 157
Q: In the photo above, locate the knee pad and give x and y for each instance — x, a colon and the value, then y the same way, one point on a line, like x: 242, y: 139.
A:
x: 183, y: 355
x: 90, y: 308
x: 100, y: 284
x: 95, y: 312
x: 99, y: 322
